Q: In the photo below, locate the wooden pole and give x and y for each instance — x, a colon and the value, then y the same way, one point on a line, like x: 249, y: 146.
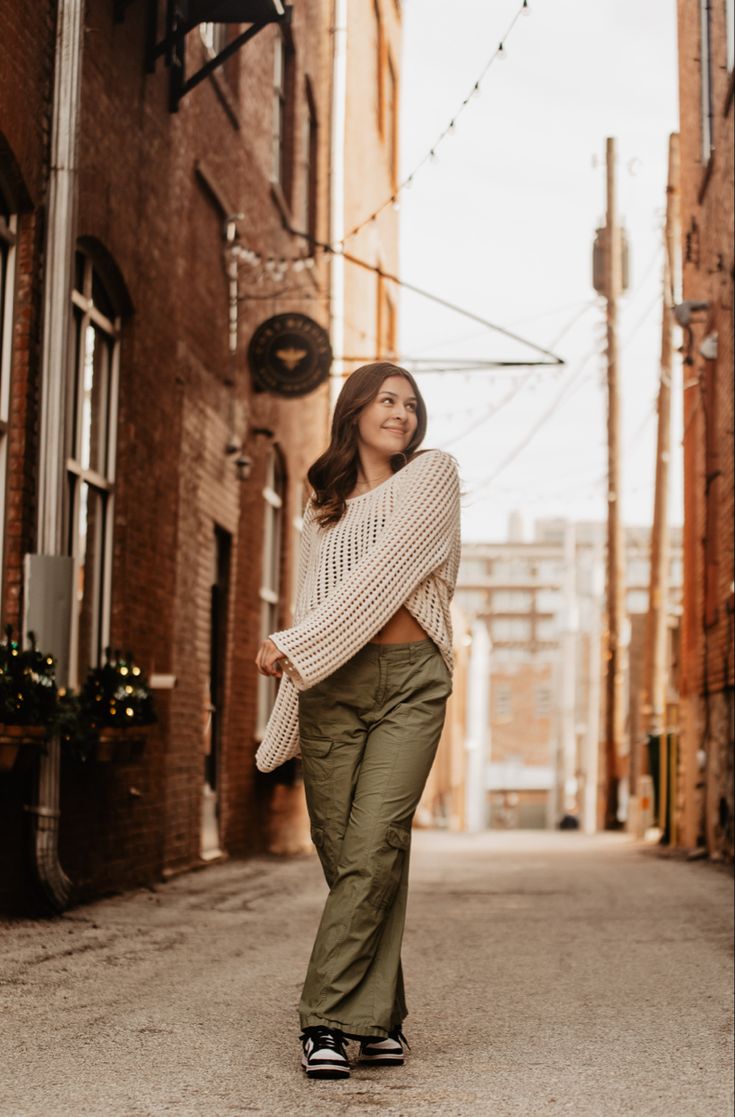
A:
x: 657, y: 626
x: 614, y: 712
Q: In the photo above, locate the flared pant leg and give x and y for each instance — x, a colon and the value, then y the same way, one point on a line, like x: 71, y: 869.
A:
x: 369, y: 735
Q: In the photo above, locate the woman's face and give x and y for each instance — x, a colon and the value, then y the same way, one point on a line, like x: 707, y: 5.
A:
x: 387, y: 423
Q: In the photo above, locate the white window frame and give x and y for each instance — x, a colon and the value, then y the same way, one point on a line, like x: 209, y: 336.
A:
x: 730, y: 35
x: 8, y: 242
x: 706, y: 105
x: 280, y: 156
x: 214, y: 37
x: 310, y: 156
x: 87, y: 316
x: 274, y: 497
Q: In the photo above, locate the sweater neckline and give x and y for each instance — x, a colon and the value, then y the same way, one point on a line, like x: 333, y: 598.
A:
x: 371, y: 492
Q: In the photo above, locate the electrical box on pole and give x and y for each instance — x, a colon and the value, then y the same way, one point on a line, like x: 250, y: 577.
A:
x: 598, y: 260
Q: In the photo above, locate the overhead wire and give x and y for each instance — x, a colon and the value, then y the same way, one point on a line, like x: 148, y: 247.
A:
x: 567, y: 389
x: 495, y: 407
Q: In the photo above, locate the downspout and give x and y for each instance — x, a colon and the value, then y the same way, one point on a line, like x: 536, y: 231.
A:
x: 56, y: 315
x: 337, y: 193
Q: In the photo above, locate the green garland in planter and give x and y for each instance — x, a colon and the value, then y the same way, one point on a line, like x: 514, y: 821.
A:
x: 27, y: 683
x: 114, y: 695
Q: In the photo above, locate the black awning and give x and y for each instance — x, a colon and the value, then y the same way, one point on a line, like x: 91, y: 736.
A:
x: 232, y: 11
x: 182, y: 16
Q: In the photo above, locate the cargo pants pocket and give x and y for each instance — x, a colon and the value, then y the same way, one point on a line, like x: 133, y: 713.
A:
x: 388, y: 863
x: 327, y: 847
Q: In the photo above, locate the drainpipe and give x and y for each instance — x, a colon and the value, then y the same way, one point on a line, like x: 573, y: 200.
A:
x: 56, y: 316
x: 337, y: 191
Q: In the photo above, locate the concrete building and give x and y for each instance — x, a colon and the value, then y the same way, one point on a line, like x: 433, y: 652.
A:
x: 543, y: 603
x: 156, y: 208
x: 706, y: 95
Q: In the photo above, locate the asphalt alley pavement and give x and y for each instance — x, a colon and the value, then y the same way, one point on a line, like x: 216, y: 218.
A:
x: 547, y: 973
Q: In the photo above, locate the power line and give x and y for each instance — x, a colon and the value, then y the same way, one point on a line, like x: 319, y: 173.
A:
x: 494, y: 408
x: 571, y: 384
x: 540, y: 422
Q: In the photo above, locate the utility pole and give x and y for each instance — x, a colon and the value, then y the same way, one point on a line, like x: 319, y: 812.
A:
x: 656, y: 634
x: 614, y: 711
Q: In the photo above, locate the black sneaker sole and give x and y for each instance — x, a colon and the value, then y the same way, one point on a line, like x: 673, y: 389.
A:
x: 325, y: 1071
x: 382, y: 1061
x: 316, y: 1072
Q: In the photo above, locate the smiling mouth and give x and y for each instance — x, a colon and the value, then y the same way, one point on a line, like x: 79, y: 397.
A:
x: 394, y: 430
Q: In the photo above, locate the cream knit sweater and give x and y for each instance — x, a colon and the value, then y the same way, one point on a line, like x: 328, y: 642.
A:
x: 398, y: 544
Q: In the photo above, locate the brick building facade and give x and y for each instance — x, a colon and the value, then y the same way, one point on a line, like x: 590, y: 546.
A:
x: 181, y: 553
x: 706, y: 94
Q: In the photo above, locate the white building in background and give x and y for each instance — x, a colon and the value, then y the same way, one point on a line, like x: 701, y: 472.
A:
x: 543, y: 604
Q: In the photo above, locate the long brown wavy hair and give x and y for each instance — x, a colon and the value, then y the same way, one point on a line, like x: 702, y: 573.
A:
x: 334, y: 473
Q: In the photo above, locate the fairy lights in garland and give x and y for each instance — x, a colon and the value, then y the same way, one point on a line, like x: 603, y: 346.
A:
x: 273, y: 268
x: 499, y: 54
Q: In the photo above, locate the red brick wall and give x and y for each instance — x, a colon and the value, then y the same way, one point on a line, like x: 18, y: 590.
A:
x: 181, y: 396
x: 707, y: 624
x: 25, y: 64
x: 523, y: 732
x: 25, y: 97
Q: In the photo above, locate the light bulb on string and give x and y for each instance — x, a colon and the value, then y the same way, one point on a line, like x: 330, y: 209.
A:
x: 525, y: 10
x: 501, y: 53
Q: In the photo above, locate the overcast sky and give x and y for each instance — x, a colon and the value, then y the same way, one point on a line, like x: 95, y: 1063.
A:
x: 502, y: 223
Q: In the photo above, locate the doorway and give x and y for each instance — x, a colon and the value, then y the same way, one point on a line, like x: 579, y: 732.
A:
x: 218, y: 626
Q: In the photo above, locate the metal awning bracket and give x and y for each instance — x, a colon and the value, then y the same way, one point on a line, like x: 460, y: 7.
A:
x: 182, y: 16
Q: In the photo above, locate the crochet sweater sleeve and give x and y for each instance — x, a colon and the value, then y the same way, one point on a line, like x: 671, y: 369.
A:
x: 283, y: 722
x: 416, y: 538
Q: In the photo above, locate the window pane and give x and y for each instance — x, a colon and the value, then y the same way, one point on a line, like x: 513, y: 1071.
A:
x: 90, y: 544
x: 511, y: 601
x: 4, y: 258
x: 511, y: 628
x: 95, y: 379
x: 100, y: 298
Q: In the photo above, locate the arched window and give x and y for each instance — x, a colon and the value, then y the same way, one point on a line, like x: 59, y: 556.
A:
x: 8, y: 235
x: 274, y: 492
x: 91, y: 430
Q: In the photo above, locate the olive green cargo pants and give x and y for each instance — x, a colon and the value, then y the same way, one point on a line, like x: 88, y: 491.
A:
x: 369, y: 735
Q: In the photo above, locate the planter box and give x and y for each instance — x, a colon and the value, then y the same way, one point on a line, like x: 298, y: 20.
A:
x: 15, y: 737
x: 121, y: 743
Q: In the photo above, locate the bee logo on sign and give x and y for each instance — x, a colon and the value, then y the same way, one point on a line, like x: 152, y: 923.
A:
x: 289, y: 354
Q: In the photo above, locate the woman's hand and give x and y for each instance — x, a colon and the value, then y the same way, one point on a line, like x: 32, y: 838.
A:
x: 267, y: 659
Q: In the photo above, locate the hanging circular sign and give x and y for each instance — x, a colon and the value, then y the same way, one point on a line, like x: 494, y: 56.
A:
x: 289, y: 354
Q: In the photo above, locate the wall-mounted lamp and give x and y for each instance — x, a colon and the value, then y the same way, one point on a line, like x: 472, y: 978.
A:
x: 243, y: 465
x: 708, y: 347
x: 684, y: 315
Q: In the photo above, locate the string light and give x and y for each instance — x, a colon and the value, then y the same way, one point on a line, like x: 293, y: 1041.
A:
x: 431, y: 155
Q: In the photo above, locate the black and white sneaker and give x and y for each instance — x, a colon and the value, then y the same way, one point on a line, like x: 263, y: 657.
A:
x: 388, y: 1052
x: 324, y: 1053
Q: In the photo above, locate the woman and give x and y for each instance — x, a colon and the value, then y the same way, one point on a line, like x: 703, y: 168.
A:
x: 365, y: 673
